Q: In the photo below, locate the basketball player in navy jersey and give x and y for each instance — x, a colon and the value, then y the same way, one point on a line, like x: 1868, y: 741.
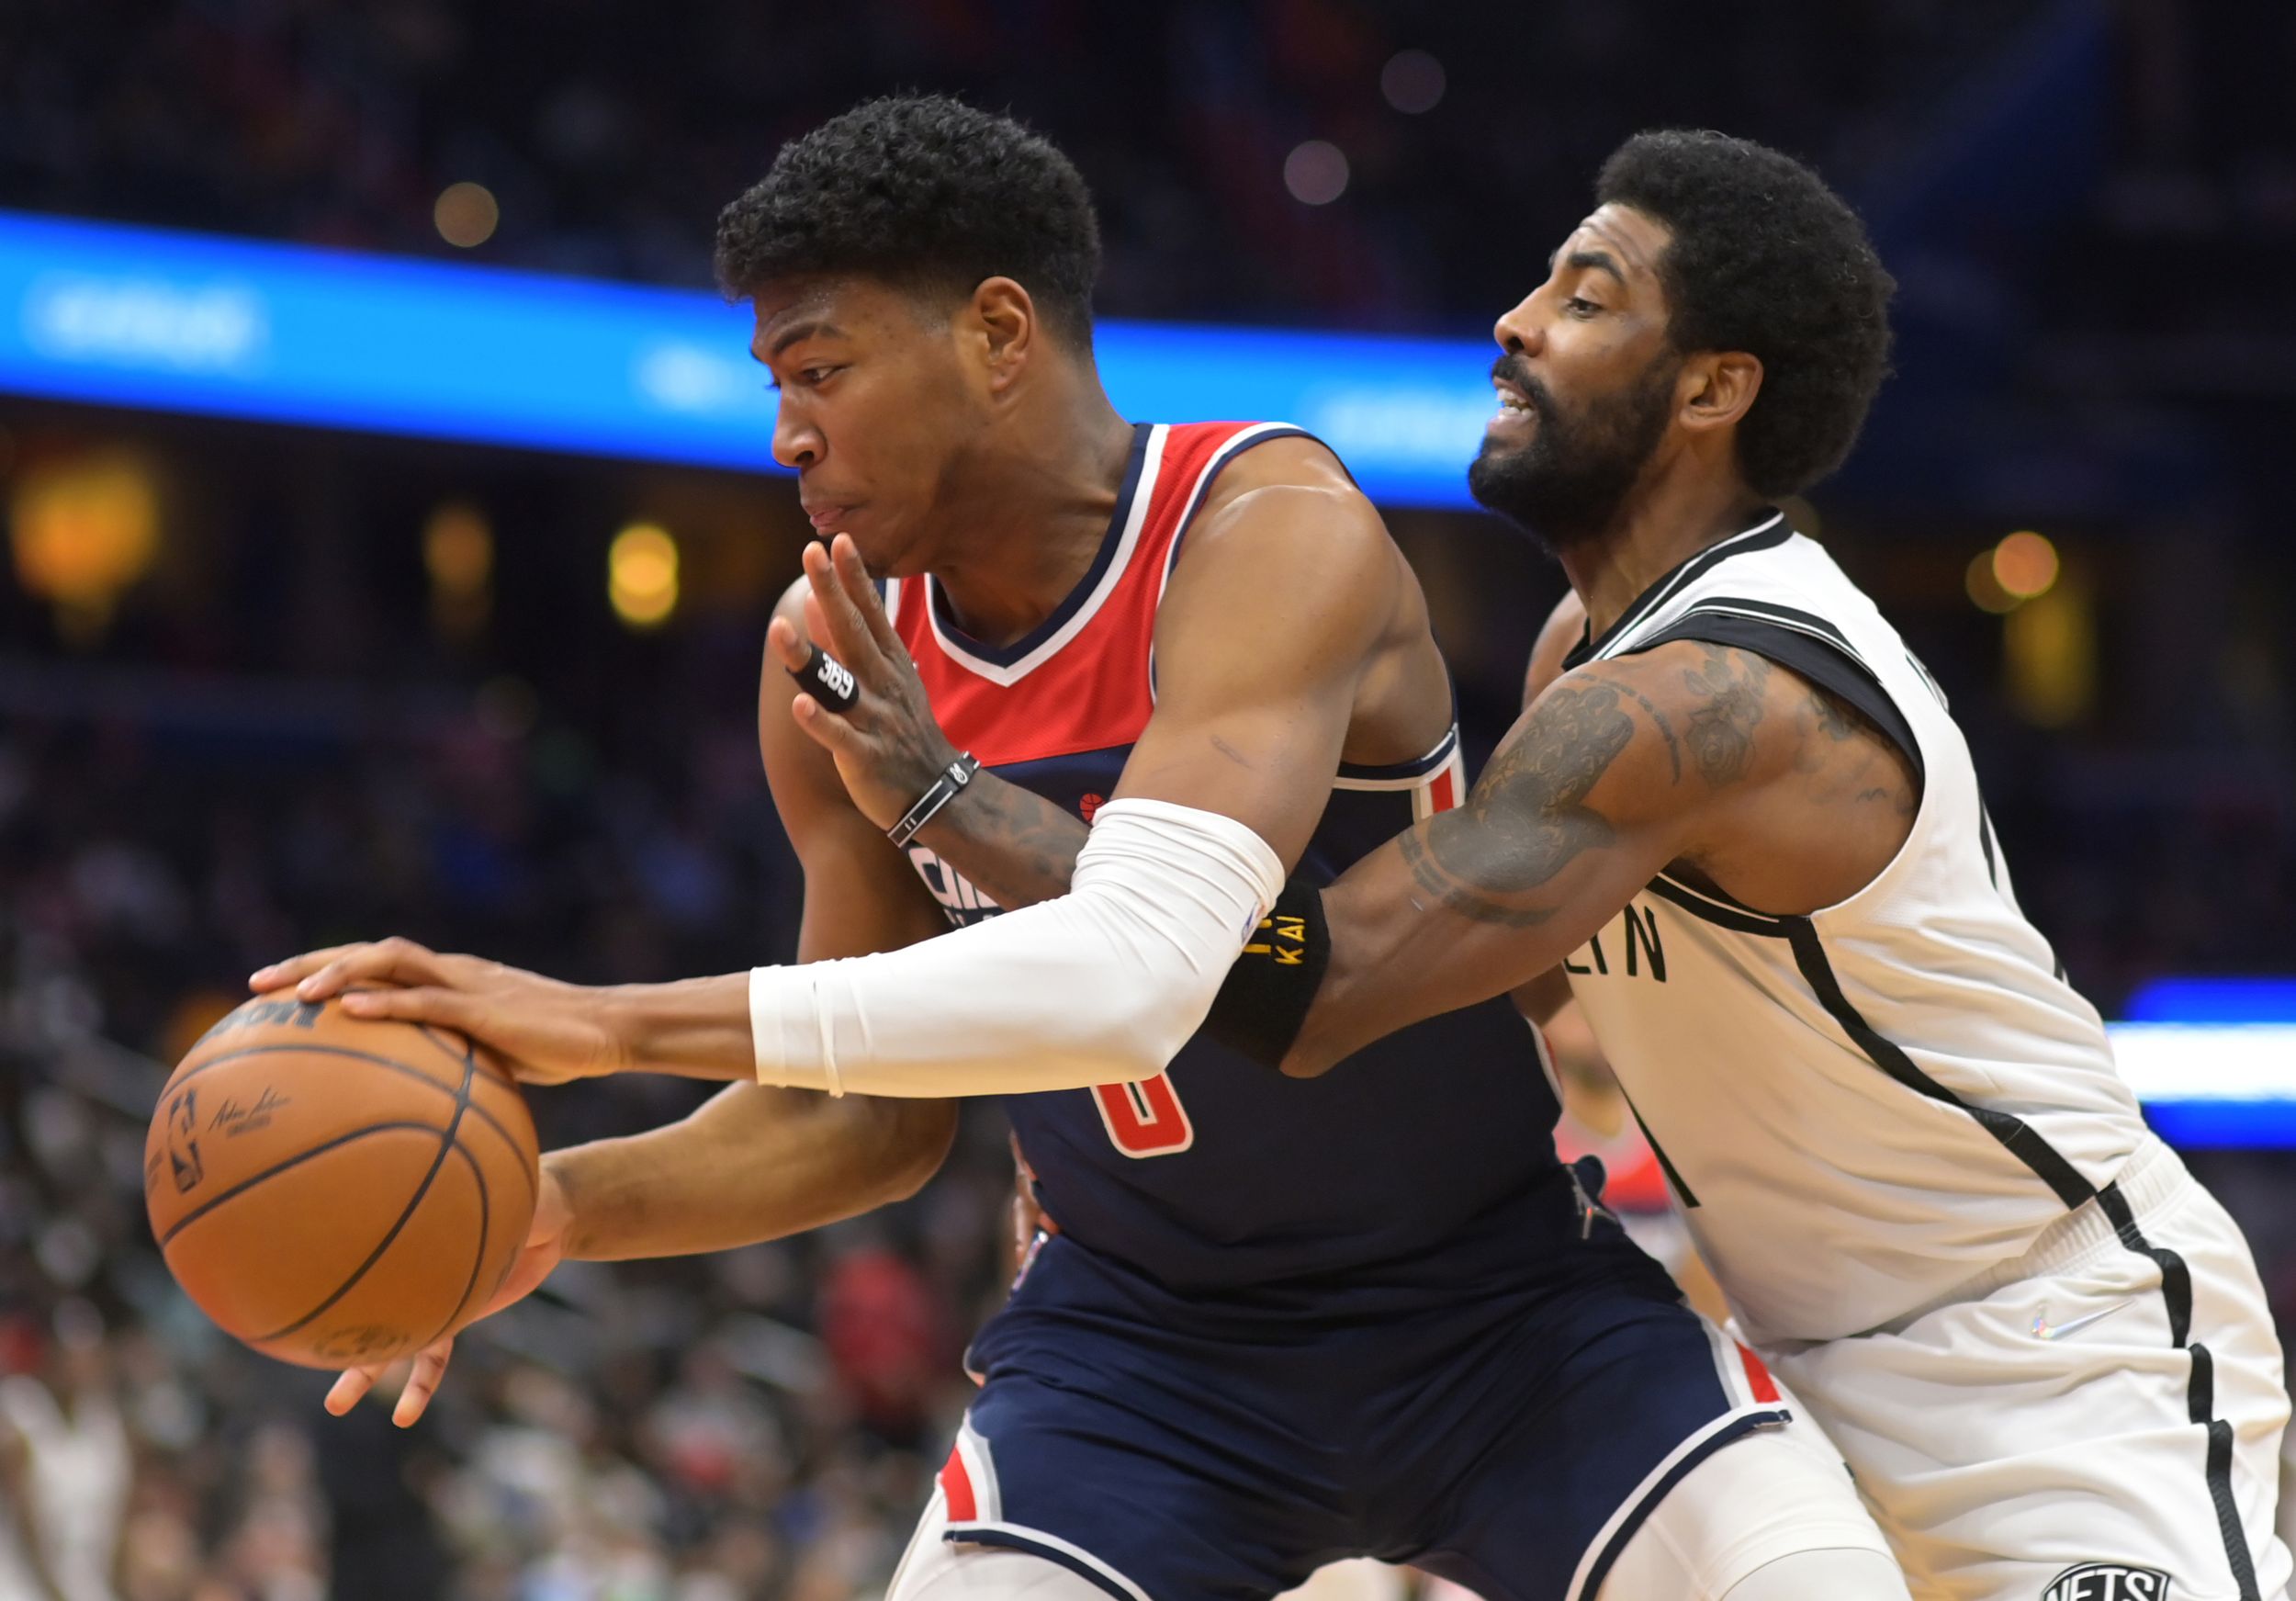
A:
x: 1281, y: 1322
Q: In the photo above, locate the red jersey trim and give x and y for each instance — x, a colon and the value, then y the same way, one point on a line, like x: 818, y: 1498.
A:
x: 1085, y: 686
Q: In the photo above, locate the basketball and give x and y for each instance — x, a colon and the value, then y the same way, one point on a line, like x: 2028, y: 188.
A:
x: 335, y: 1190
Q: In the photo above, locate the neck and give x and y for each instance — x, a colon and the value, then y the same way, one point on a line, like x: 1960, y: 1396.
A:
x: 1036, y: 504
x: 1660, y: 527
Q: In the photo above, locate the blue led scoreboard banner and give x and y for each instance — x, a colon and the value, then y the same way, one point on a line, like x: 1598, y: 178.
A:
x: 184, y: 322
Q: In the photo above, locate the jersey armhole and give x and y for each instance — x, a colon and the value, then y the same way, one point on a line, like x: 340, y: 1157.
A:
x: 1831, y: 666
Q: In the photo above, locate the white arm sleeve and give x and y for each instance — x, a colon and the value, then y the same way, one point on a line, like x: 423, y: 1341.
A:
x: 1102, y: 985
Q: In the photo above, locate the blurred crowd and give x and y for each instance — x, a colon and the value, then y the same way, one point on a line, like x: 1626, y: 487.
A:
x: 610, y: 137
x: 762, y: 1423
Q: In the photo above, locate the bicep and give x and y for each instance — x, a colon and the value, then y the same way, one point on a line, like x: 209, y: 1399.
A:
x: 1261, y: 643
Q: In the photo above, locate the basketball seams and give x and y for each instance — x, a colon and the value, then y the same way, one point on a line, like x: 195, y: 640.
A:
x: 478, y: 1265
x: 244, y: 1185
x: 490, y: 1119
x: 468, y: 1055
x: 446, y: 1139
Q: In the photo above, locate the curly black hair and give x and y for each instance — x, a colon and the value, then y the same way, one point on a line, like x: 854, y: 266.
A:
x: 1766, y: 259
x: 925, y: 192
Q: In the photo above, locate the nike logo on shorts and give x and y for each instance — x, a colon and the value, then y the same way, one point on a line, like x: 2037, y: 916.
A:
x: 2045, y: 1330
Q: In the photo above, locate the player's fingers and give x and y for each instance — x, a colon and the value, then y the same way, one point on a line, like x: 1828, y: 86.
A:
x: 817, y: 626
x: 422, y: 1004
x: 850, y: 639
x: 430, y: 1367
x: 781, y: 638
x: 391, y: 961
x: 853, y: 578
x: 350, y: 1386
x: 825, y: 727
x: 295, y: 969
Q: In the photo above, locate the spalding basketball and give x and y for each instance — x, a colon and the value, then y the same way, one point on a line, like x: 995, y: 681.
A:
x: 334, y: 1189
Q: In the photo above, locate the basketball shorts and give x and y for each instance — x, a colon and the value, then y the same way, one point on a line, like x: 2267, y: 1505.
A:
x: 2099, y: 1420
x: 1512, y: 1442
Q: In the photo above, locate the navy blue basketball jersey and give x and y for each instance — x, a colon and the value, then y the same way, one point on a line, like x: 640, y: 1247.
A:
x: 1221, y: 1175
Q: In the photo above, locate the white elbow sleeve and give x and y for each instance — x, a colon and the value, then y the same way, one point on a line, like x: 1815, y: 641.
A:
x: 1104, y: 984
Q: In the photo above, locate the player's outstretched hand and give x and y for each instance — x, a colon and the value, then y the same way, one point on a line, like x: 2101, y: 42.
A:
x: 543, y: 1250
x: 887, y: 747
x: 544, y: 1032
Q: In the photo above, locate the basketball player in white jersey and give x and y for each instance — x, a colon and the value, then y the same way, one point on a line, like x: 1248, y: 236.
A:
x: 1738, y: 822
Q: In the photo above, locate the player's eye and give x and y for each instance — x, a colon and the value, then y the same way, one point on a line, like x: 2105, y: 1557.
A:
x: 1581, y: 307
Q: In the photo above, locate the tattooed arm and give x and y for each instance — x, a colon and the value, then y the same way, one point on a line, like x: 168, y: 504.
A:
x: 1702, y: 757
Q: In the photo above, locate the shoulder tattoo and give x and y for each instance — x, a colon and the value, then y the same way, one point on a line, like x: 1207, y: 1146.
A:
x: 1727, y: 686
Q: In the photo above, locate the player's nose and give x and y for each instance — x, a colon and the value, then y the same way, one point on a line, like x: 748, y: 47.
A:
x: 797, y: 444
x: 1517, y: 329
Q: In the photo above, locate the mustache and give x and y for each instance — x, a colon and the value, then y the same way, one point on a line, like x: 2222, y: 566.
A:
x: 1511, y: 369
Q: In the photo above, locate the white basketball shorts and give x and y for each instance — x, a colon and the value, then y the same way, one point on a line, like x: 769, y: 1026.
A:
x: 2098, y: 1420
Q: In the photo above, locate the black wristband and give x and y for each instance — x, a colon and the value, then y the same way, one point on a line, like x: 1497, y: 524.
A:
x: 828, y: 681
x: 1259, y: 1010
x: 954, y: 777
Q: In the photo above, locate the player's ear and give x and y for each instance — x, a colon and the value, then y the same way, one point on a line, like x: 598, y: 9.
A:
x: 1006, y: 319
x: 1718, y: 388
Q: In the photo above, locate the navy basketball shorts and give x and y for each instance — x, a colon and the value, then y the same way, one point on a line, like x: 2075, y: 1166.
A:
x: 1513, y: 1440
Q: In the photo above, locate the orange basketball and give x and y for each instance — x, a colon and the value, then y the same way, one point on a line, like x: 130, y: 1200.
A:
x: 332, y: 1189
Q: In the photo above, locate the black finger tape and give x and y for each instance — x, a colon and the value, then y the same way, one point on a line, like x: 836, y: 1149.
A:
x: 827, y: 680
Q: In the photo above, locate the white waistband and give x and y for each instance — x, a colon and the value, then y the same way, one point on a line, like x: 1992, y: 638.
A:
x: 2152, y: 1178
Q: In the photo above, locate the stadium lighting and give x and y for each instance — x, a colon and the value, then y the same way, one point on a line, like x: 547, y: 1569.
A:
x: 642, y: 575
x: 467, y: 215
x: 1316, y: 173
x: 2025, y: 565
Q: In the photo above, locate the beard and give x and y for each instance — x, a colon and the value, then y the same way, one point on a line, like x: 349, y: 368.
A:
x: 1566, y: 484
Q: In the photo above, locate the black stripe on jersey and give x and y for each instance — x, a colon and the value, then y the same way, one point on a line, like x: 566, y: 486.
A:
x: 2176, y: 1290
x: 1682, y: 1191
x: 1809, y: 954
x: 1808, y: 622
x: 1725, y: 914
x: 2019, y: 1138
x: 1639, y: 1513
x: 1802, y: 644
x: 2014, y: 1133
x: 1770, y: 532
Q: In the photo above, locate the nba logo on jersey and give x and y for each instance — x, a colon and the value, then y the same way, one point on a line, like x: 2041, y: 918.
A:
x: 2107, y: 1581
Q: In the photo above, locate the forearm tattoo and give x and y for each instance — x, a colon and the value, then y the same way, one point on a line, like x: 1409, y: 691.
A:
x: 1010, y: 841
x: 1527, y: 820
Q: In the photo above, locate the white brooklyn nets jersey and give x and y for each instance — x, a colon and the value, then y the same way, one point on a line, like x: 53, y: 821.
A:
x: 1861, y: 1109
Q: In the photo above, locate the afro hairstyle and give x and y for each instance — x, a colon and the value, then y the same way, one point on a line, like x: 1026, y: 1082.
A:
x: 1766, y: 259
x: 927, y: 193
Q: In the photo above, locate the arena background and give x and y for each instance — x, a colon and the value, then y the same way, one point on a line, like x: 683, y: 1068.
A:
x: 275, y: 671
